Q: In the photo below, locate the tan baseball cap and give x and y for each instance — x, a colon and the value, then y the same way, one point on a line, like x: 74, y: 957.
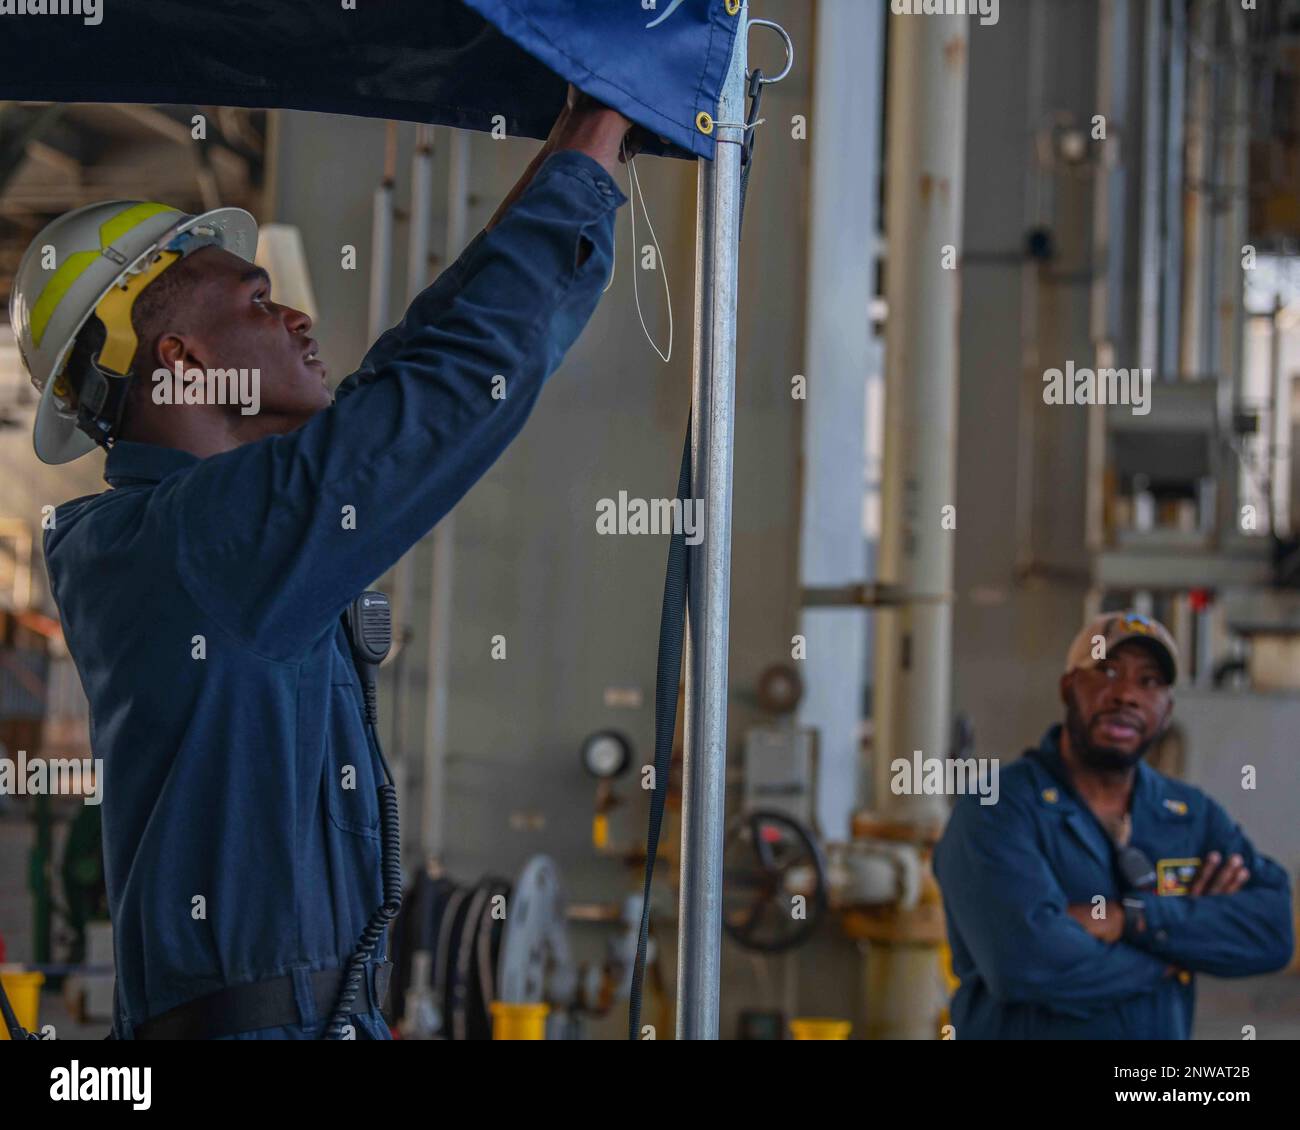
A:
x: 1106, y: 632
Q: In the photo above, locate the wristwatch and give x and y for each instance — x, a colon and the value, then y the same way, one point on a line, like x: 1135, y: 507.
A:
x: 1135, y: 916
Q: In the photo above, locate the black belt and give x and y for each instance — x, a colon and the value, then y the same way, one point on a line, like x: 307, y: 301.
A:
x: 260, y: 1004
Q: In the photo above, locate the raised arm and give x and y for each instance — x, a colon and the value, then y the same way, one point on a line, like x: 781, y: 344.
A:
x: 278, y: 535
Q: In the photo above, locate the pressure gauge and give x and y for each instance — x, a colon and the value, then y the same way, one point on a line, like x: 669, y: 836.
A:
x: 606, y: 754
x: 780, y: 689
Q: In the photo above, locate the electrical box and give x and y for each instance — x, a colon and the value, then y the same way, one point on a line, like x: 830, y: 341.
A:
x: 780, y: 771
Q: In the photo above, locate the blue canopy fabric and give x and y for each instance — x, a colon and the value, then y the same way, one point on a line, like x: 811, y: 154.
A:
x: 448, y: 62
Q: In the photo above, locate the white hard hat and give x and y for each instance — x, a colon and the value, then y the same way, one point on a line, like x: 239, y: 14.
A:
x: 98, y: 259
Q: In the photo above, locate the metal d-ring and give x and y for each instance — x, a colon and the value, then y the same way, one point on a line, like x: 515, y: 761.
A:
x: 789, y: 47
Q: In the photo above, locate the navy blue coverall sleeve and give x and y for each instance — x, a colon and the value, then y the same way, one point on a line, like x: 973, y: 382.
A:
x: 1011, y: 913
x: 277, y: 536
x: 1224, y: 935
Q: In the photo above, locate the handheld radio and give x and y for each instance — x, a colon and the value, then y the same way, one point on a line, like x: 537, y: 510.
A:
x: 368, y: 623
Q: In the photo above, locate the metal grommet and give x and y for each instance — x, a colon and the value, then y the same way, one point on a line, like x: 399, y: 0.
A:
x: 704, y: 122
x: 733, y: 7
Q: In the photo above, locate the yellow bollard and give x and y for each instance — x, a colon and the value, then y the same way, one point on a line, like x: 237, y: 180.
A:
x: 519, y: 1021
x: 820, y: 1028
x: 24, y: 993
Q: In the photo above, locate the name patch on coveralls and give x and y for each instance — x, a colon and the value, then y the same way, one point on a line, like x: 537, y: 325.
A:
x: 1174, y: 876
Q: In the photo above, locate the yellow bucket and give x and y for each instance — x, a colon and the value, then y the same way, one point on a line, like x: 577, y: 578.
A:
x: 820, y: 1028
x: 519, y: 1021
x: 24, y: 993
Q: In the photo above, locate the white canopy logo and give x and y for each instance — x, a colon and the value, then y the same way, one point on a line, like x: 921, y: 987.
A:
x: 667, y: 12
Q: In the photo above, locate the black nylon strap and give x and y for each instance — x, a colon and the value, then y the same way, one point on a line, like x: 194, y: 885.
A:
x: 667, y: 677
x: 751, y: 137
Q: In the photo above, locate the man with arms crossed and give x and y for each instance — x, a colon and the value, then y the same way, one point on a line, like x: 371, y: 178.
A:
x: 1181, y: 888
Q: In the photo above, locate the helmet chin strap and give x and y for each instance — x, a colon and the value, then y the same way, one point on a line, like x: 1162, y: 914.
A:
x: 102, y: 385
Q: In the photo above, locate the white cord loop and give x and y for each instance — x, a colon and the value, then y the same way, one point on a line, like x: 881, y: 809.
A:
x: 634, y: 191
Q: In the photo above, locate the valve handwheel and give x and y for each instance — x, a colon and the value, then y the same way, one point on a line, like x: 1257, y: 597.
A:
x: 774, y: 891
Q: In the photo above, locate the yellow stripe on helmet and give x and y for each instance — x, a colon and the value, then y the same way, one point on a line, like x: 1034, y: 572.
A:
x: 113, y: 230
x: 53, y: 292
x: 76, y: 264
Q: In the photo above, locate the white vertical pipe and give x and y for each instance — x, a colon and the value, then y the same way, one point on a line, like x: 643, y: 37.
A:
x: 417, y: 260
x: 1108, y: 296
x: 1284, y: 453
x: 1175, y: 125
x: 417, y: 277
x: 381, y: 243
x: 841, y: 355
x: 927, y: 155
x: 441, y: 563
x: 1232, y: 181
x: 1108, y: 302
x: 1153, y: 108
x: 713, y: 380
x: 1198, y: 265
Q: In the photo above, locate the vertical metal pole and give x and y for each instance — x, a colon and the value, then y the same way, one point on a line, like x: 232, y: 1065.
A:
x: 713, y: 400
x: 925, y: 196
x: 440, y: 580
